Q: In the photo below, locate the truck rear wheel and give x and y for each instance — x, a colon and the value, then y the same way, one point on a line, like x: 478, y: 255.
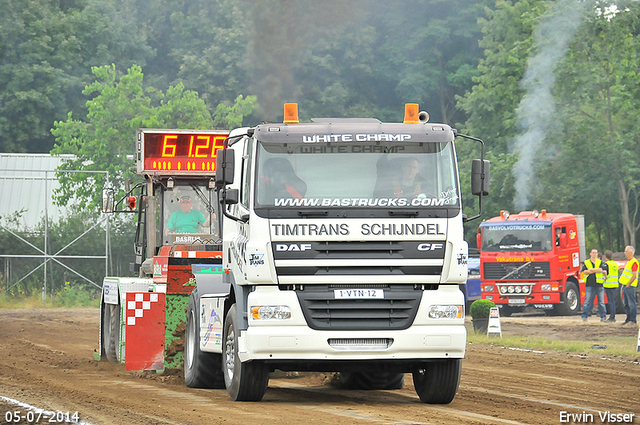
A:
x: 371, y: 380
x: 111, y: 331
x: 244, y: 381
x: 437, y: 382
x: 570, y: 301
x: 201, y: 369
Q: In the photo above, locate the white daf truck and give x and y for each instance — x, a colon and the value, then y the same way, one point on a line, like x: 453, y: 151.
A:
x: 343, y: 249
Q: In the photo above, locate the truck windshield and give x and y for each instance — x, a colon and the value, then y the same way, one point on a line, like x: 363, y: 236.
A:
x: 389, y: 175
x: 517, y: 237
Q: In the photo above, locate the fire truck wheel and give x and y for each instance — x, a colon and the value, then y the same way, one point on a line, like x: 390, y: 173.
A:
x: 437, y: 382
x: 111, y: 331
x: 570, y: 301
x: 371, y: 380
x: 201, y: 369
x: 244, y: 381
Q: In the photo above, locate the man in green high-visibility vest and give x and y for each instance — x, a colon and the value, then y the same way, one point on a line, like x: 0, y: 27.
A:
x: 629, y: 281
x: 611, y: 285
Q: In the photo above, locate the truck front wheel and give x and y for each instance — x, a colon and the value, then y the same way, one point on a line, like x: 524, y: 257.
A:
x: 437, y: 382
x: 201, y: 369
x: 570, y: 301
x: 244, y: 381
x: 111, y: 331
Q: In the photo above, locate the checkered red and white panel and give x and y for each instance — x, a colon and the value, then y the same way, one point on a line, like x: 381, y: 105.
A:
x: 145, y: 321
x: 140, y: 303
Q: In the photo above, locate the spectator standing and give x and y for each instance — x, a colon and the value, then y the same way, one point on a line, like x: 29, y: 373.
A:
x: 594, y: 270
x: 629, y: 282
x: 611, y: 285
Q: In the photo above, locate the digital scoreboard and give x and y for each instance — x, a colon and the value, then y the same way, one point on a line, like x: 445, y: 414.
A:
x: 175, y: 152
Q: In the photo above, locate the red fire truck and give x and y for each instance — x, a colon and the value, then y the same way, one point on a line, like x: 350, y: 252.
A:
x: 532, y: 258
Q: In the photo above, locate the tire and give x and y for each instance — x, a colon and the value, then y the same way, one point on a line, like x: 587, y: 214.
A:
x: 201, y: 369
x: 570, y: 301
x: 111, y: 331
x: 437, y: 382
x: 371, y: 380
x: 244, y: 381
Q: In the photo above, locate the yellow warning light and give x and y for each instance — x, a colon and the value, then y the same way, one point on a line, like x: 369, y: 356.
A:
x: 411, y: 113
x: 543, y: 213
x: 504, y: 214
x: 290, y: 113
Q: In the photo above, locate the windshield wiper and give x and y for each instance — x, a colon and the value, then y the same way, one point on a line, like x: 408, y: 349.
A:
x: 203, y: 198
x: 404, y: 213
x: 313, y: 213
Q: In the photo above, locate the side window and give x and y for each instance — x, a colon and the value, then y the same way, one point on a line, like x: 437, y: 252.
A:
x: 247, y: 161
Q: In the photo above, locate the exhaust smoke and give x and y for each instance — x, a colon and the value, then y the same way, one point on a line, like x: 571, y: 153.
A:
x: 537, y: 107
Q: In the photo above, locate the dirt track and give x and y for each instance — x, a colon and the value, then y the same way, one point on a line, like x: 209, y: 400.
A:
x: 46, y: 360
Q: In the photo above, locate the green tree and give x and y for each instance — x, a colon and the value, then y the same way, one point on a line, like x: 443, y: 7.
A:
x: 430, y: 52
x: 47, y: 48
x: 106, y: 142
x: 599, y: 93
x: 492, y: 102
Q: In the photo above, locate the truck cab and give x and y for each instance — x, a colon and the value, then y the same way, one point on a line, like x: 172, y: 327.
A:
x: 532, y: 259
x: 343, y: 250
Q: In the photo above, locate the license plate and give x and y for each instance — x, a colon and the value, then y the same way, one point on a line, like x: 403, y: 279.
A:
x: 516, y: 300
x: 358, y: 293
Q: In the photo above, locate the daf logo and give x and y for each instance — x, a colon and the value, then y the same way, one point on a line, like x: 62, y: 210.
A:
x: 430, y: 246
x: 293, y: 247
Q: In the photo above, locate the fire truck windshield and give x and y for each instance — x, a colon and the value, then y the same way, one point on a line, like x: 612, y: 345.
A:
x: 517, y: 237
x: 356, y: 175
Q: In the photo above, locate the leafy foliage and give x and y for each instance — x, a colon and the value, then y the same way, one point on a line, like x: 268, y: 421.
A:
x: 480, y: 309
x: 234, y: 62
x: 118, y: 108
x: 46, y: 54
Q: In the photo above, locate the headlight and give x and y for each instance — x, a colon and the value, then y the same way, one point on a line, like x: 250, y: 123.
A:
x: 518, y: 289
x: 275, y: 312
x: 503, y: 289
x: 446, y: 312
x: 546, y: 287
x: 526, y: 289
x: 488, y: 288
x: 510, y: 289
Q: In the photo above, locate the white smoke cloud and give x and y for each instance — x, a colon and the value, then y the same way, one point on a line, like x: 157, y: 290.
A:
x: 537, y: 108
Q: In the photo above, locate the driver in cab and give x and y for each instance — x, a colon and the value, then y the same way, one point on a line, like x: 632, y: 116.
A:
x: 186, y: 219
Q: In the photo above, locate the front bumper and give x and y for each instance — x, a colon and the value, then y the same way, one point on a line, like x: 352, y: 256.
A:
x: 305, y: 344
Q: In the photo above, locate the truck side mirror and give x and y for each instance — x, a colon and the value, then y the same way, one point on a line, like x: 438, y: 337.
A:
x: 224, y: 167
x: 230, y: 196
x: 478, y: 183
x: 108, y: 200
x: 479, y: 240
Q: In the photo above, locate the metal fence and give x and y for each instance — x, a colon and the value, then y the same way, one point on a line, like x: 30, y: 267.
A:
x: 43, y: 253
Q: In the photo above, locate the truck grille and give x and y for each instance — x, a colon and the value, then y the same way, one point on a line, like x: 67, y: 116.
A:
x: 517, y: 271
x: 396, y: 311
x: 390, y: 258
